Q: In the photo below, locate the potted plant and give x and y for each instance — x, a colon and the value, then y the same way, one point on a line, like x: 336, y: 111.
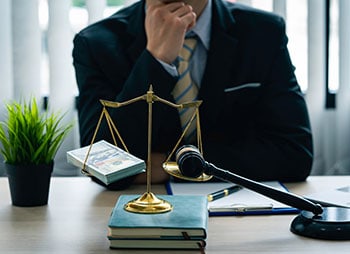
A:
x: 30, y: 140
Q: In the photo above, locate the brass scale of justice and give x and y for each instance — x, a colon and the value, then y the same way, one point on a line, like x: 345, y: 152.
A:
x: 149, y: 202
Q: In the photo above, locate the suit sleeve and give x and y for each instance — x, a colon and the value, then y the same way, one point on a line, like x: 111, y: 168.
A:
x: 126, y: 80
x: 125, y: 84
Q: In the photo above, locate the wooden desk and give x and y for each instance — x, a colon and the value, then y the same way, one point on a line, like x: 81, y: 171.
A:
x: 75, y: 221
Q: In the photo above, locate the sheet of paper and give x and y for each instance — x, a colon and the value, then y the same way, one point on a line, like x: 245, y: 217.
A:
x: 335, y: 197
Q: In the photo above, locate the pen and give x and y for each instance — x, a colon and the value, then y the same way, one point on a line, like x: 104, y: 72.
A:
x: 223, y: 193
x: 241, y: 208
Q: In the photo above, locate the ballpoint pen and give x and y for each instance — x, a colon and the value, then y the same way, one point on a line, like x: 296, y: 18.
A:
x: 223, y: 193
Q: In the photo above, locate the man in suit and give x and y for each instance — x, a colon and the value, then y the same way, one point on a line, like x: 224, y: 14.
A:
x: 254, y: 119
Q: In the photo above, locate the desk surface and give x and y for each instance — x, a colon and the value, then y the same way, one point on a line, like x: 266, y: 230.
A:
x: 75, y: 221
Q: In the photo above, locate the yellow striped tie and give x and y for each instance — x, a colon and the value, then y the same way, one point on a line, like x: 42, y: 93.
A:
x: 185, y: 89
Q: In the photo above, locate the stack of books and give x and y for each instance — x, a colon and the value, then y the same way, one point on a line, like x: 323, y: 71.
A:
x: 184, y: 227
x: 106, y: 162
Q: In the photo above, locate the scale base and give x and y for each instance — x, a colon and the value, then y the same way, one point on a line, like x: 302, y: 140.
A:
x: 148, y: 203
x: 332, y: 224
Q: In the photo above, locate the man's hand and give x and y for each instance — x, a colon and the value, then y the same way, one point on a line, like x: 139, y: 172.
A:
x: 166, y: 25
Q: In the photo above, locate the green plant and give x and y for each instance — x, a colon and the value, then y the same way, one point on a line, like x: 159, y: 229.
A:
x: 31, y: 137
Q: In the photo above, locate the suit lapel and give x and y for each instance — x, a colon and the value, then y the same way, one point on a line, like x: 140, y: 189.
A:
x: 136, y: 29
x: 220, y: 63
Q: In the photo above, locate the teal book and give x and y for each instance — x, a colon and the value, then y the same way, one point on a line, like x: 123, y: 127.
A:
x: 187, y: 220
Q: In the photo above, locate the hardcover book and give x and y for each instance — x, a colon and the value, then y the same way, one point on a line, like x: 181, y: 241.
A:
x: 184, y: 226
x: 106, y: 162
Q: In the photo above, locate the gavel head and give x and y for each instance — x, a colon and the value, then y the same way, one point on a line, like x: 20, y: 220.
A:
x: 190, y: 161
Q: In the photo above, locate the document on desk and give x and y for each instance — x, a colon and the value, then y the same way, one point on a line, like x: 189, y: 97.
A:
x: 334, y: 197
x: 240, y: 202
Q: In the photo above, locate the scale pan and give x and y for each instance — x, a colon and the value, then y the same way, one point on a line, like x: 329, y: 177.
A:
x: 172, y: 168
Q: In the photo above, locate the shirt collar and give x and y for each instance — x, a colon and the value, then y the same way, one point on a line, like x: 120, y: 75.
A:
x: 203, y: 25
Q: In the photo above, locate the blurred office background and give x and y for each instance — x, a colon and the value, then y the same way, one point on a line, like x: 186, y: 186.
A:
x: 35, y: 60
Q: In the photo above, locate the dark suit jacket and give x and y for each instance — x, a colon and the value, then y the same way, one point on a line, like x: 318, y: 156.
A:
x: 254, y: 119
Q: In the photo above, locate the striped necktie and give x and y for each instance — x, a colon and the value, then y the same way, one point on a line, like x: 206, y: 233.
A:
x: 185, y: 89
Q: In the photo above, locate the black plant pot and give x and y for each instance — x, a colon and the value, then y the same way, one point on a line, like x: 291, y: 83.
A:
x: 29, y: 184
